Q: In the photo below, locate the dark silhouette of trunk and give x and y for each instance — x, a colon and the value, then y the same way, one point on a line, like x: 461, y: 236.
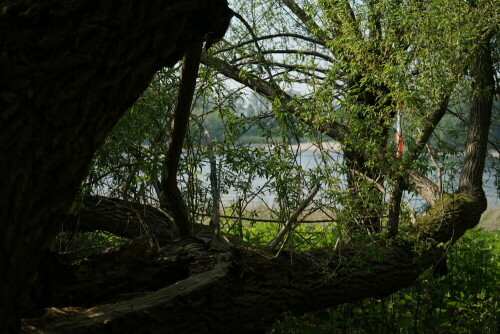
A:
x: 68, y: 71
x: 180, y: 123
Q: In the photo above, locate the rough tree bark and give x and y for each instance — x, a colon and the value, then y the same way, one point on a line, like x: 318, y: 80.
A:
x: 207, y: 285
x: 68, y: 71
x: 483, y: 84
x: 178, y: 129
x: 121, y: 218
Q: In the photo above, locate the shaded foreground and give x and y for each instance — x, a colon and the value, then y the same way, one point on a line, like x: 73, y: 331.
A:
x: 214, y: 284
x: 52, y: 124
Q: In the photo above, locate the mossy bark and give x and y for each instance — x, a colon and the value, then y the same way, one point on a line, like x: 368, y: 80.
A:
x: 208, y: 285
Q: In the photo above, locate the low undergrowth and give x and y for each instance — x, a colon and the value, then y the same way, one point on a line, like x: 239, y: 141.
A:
x: 466, y: 300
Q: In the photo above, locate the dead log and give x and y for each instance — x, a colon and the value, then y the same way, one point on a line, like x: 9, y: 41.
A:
x: 241, y: 289
x: 121, y: 218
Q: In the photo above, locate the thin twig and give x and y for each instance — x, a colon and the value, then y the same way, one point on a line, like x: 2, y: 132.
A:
x: 293, y: 218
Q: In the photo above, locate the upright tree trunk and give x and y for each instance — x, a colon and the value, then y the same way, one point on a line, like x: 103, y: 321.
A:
x: 483, y: 85
x: 178, y: 130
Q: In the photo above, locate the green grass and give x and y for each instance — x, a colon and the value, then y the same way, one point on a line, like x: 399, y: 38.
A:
x: 467, y: 300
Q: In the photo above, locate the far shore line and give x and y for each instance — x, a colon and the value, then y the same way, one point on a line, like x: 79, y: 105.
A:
x: 308, y: 147
x: 333, y: 147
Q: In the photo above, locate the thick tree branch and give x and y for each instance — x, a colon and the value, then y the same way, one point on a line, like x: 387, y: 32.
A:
x: 252, y: 287
x: 122, y: 218
x: 424, y: 187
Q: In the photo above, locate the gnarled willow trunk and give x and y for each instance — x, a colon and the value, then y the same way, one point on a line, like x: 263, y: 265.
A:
x: 68, y: 71
x: 483, y: 84
x: 208, y: 285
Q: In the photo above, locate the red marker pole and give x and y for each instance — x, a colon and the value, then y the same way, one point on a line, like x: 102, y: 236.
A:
x: 399, y: 131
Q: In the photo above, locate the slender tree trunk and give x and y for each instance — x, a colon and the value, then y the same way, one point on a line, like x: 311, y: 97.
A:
x: 178, y: 131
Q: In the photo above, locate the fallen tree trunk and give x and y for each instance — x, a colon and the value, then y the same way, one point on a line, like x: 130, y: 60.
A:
x: 229, y: 287
x: 235, y: 288
x: 121, y: 218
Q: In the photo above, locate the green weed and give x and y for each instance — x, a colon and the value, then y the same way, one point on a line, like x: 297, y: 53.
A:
x: 466, y: 300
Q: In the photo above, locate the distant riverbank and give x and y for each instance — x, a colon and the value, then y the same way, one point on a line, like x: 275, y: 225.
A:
x: 331, y: 147
x: 307, y: 147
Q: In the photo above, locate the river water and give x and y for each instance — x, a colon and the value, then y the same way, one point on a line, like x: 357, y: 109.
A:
x: 308, y: 161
